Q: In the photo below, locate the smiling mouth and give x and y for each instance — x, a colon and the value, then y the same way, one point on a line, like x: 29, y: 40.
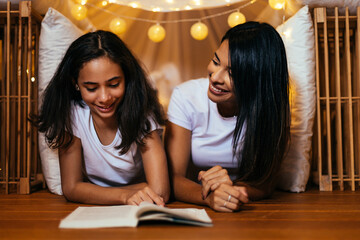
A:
x: 217, y: 91
x: 105, y: 108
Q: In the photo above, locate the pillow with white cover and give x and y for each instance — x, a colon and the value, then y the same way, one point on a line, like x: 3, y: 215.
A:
x: 57, y: 33
x: 298, y: 36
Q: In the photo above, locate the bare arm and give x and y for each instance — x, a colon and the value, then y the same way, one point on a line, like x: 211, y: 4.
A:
x: 76, y: 190
x: 258, y: 192
x: 178, y: 147
x: 155, y: 165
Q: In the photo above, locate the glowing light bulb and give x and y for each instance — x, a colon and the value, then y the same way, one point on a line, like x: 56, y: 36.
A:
x: 199, y: 31
x: 196, y: 2
x: 82, y: 2
x: 236, y: 18
x: 156, y: 33
x: 104, y: 3
x: 277, y: 4
x: 134, y: 5
x: 118, y: 25
x: 79, y: 11
x: 156, y: 9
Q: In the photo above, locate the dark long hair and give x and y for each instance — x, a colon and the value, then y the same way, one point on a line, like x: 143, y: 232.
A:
x: 261, y: 85
x: 140, y: 100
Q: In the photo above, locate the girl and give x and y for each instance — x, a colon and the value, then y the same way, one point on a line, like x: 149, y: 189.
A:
x: 104, y: 117
x: 229, y: 132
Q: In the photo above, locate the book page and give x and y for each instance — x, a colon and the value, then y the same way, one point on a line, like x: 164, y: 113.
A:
x: 98, y: 217
x: 148, y: 211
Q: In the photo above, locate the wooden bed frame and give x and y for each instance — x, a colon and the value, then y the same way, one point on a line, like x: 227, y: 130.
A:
x: 19, y: 30
x: 337, y: 135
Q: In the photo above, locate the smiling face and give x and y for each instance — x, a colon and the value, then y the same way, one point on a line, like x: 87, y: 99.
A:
x: 102, y: 87
x: 220, y: 83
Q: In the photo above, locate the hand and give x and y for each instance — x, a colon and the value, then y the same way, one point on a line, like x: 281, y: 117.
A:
x: 227, y: 198
x: 145, y: 194
x: 212, y: 178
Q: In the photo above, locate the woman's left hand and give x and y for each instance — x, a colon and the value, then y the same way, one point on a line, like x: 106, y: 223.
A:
x: 227, y: 198
x: 212, y: 178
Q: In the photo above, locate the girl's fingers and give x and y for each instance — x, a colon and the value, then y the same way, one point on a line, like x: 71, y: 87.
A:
x: 204, y: 174
x: 154, y: 197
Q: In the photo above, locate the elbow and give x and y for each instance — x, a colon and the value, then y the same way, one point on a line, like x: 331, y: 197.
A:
x: 165, y: 193
x: 68, y: 192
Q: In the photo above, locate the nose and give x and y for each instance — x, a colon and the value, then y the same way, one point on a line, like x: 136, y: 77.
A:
x: 104, y: 95
x: 216, y: 75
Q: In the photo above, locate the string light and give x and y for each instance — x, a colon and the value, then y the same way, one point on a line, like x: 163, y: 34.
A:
x: 277, y: 4
x: 82, y: 2
x: 118, y: 25
x: 156, y: 32
x: 79, y: 12
x: 236, y: 18
x: 199, y: 31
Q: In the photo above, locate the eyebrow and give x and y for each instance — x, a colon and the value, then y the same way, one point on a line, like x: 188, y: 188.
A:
x: 109, y: 80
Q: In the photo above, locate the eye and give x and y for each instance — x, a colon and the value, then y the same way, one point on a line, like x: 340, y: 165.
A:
x: 91, y: 89
x: 114, y: 85
x: 216, y: 63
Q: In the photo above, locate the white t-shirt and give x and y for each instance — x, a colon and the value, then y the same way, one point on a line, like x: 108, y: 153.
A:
x: 212, y: 134
x: 103, y: 164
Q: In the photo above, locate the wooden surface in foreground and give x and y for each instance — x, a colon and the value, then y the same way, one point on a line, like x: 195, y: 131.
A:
x: 309, y: 215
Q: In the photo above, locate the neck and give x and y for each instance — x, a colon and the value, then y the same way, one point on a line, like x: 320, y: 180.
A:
x: 227, y: 109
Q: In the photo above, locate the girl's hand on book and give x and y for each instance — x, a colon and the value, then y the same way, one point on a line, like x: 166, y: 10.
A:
x: 212, y: 178
x: 227, y: 198
x: 145, y: 194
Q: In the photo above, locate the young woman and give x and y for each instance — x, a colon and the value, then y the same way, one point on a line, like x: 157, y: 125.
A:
x: 102, y: 114
x: 227, y: 135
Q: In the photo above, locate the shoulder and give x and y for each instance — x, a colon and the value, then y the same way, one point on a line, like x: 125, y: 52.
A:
x: 192, y: 91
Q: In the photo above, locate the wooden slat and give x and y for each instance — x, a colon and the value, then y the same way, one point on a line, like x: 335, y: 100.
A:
x: 19, y: 98
x: 350, y: 105
x: 339, y: 150
x: 357, y: 120
x: 7, y: 157
x: 327, y: 102
x: 318, y: 12
x: 29, y: 67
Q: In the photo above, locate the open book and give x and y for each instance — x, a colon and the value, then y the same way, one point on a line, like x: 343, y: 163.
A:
x: 129, y: 216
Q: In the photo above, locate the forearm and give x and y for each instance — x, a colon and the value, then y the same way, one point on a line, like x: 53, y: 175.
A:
x: 162, y: 189
x: 256, y: 193
x: 85, y: 192
x: 187, y: 191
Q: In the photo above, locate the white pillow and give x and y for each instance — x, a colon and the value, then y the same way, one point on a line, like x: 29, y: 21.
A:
x: 57, y: 33
x: 298, y: 36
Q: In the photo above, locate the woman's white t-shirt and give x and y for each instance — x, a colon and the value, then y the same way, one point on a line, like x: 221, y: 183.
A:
x: 212, y: 134
x: 103, y: 164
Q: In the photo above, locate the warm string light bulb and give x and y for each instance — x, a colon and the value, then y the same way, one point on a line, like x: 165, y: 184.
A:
x: 236, y: 18
x: 156, y: 33
x: 82, y: 2
x: 277, y: 4
x: 79, y: 11
x: 118, y: 25
x: 199, y: 31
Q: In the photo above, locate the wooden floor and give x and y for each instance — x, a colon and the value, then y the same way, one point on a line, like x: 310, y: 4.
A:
x: 309, y: 215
